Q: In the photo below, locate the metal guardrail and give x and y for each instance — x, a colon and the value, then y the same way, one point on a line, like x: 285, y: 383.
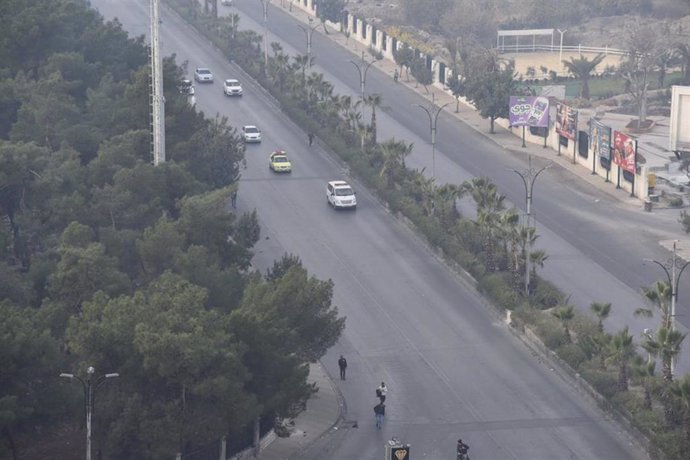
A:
x: 555, y: 48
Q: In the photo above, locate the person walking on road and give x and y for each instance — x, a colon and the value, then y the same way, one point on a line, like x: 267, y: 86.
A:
x: 381, y: 392
x: 233, y: 198
x: 380, y: 412
x: 311, y: 138
x: 342, y: 364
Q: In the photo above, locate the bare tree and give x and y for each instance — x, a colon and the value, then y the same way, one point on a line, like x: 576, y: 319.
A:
x: 646, y: 44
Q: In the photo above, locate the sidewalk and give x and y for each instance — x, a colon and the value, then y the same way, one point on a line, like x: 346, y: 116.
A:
x: 322, y: 414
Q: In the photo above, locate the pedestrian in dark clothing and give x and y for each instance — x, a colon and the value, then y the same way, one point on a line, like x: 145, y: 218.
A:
x: 233, y: 198
x: 342, y: 364
x: 311, y: 138
x: 380, y: 413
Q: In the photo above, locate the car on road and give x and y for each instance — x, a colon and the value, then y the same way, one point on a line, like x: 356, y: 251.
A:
x: 203, y: 75
x: 186, y: 87
x: 251, y: 133
x: 340, y: 195
x: 226, y: 2
x: 279, y: 162
x: 232, y: 87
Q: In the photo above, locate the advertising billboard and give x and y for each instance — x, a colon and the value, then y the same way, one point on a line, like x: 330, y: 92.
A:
x: 529, y: 111
x: 600, y: 139
x: 566, y: 121
x: 624, y: 151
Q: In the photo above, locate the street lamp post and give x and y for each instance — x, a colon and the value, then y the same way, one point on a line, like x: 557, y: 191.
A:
x: 309, y: 31
x: 433, y: 113
x: 363, y: 69
x: 90, y: 388
x: 264, y: 4
x: 673, y: 279
x: 529, y: 176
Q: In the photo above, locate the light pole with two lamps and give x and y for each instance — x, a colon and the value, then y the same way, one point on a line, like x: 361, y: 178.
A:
x: 309, y: 31
x: 90, y: 388
x: 433, y: 113
x: 673, y: 278
x: 363, y: 69
x: 529, y: 176
x: 264, y: 4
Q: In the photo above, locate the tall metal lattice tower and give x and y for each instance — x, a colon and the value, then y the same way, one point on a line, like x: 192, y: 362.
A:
x: 157, y: 98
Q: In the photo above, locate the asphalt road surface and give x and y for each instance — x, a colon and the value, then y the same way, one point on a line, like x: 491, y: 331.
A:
x: 452, y: 369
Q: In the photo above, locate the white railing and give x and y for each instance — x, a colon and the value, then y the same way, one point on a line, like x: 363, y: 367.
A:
x: 518, y: 48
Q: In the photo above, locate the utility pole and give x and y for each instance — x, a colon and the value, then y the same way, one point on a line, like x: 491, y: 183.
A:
x: 433, y: 113
x: 363, y: 69
x: 560, y: 52
x: 529, y: 176
x: 264, y: 4
x: 89, y: 397
x: 309, y: 31
x: 157, y: 97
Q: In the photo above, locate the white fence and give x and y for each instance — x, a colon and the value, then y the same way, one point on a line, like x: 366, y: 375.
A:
x: 527, y: 48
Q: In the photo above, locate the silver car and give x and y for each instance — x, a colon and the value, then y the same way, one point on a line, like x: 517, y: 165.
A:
x: 251, y: 133
x: 203, y: 75
x: 232, y: 87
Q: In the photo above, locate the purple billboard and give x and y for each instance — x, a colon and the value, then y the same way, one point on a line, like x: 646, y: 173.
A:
x: 529, y: 111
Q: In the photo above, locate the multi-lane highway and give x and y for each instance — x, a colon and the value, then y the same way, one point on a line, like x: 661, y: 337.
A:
x: 452, y: 369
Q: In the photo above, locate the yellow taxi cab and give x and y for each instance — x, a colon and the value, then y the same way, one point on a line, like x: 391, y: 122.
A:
x: 279, y: 162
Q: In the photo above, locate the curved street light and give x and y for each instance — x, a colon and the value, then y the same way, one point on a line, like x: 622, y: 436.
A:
x: 309, y: 31
x: 89, y: 397
x: 433, y: 113
x: 673, y: 278
x: 529, y: 176
x: 362, y: 84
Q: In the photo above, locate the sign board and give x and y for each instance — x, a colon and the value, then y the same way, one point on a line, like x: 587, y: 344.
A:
x: 680, y: 119
x: 529, y: 111
x: 395, y: 450
x: 566, y: 121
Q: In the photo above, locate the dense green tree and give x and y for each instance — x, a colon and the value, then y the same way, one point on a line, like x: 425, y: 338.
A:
x: 29, y: 363
x: 427, y: 14
x: 422, y: 73
x: 490, y: 90
x: 681, y: 389
x: 331, y: 10
x: 404, y: 57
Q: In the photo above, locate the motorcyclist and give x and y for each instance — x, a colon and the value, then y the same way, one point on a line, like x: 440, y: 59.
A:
x: 462, y: 450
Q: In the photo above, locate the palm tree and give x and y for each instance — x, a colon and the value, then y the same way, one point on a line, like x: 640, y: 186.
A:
x: 602, y: 311
x: 644, y: 371
x: 444, y: 198
x: 666, y: 347
x: 564, y: 314
x: 582, y: 68
x: 536, y: 259
x: 373, y: 101
x: 394, y: 154
x: 621, y: 351
x: 659, y: 296
x: 681, y: 389
x: 489, y: 203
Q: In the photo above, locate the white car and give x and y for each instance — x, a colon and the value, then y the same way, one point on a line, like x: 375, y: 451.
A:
x: 340, y: 195
x: 251, y: 133
x: 203, y: 75
x: 232, y: 87
x: 226, y: 2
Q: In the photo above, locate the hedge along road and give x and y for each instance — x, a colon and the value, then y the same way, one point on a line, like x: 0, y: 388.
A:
x: 596, y: 238
x: 451, y: 368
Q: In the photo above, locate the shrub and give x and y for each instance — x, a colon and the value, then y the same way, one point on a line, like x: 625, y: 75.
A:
x: 497, y: 287
x: 605, y: 382
x: 547, y: 295
x: 572, y: 354
x: 550, y: 332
